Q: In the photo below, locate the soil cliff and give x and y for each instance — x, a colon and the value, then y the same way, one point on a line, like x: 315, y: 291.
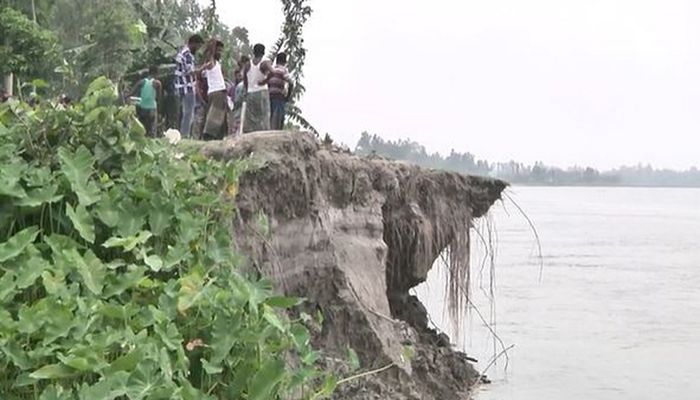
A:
x: 353, y: 235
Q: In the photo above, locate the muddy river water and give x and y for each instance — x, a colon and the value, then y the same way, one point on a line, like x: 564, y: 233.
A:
x: 616, y: 314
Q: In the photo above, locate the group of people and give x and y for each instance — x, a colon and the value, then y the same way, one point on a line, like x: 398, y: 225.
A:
x: 255, y: 99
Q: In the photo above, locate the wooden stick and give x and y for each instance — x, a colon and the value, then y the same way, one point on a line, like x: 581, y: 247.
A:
x: 243, y: 111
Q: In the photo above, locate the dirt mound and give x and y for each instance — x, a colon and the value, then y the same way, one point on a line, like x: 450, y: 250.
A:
x: 353, y: 235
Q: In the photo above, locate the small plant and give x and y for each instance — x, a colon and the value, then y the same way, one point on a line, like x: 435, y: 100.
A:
x: 117, y: 275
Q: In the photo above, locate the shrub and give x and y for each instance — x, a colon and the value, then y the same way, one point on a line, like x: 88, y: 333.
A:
x: 117, y: 275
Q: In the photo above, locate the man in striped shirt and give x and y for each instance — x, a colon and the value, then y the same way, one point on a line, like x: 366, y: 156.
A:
x: 185, y: 82
x: 281, y: 86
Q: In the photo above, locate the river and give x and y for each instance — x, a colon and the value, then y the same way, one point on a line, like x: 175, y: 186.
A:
x: 616, y: 313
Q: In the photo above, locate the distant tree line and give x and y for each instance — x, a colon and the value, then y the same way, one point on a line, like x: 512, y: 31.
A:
x: 524, y: 174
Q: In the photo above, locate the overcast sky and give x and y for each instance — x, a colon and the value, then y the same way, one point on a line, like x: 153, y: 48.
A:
x: 585, y: 82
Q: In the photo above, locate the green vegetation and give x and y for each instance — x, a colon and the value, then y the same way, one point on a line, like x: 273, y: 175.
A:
x: 117, y: 275
x: 23, y: 43
x: 520, y: 173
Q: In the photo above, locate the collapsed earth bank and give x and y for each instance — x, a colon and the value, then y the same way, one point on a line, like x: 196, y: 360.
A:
x: 352, y: 236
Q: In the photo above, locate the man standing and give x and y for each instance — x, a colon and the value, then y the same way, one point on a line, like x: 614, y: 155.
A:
x: 216, y: 92
x: 281, y: 86
x: 148, y: 89
x: 185, y: 82
x: 257, y: 115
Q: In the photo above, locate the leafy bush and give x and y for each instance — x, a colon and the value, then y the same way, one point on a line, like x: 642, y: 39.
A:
x: 117, y: 275
x: 25, y: 48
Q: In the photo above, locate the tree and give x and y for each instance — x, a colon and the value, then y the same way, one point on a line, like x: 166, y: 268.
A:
x: 296, y: 14
x: 25, y: 48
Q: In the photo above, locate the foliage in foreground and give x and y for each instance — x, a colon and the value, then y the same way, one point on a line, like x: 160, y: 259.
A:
x: 117, y: 278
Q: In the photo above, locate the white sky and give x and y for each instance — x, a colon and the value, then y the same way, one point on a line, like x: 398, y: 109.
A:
x: 586, y: 82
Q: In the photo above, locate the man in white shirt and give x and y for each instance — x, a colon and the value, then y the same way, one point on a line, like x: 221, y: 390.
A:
x: 257, y: 115
x: 214, y: 127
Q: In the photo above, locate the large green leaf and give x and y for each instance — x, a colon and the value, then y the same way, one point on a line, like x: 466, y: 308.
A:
x: 127, y: 362
x: 190, y: 290
x: 107, y: 212
x: 16, y: 354
x: 90, y: 268
x: 154, y: 262
x: 128, y: 243
x: 82, y: 222
x: 284, y: 302
x: 110, y: 387
x: 274, y: 319
x: 30, y: 267
x: 8, y: 287
x: 142, y: 382
x: 17, y: 243
x: 10, y: 175
x: 37, y: 197
x: 265, y: 380
x: 53, y: 371
x: 56, y: 392
x: 77, y: 167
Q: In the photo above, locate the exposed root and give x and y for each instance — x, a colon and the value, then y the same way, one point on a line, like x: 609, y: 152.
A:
x: 534, y: 231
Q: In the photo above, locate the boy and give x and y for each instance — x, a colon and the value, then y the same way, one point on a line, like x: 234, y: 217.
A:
x: 280, y: 85
x: 149, y: 90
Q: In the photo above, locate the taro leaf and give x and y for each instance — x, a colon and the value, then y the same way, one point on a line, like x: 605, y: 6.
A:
x: 90, y: 268
x: 300, y: 335
x: 154, y: 262
x: 108, y: 213
x: 159, y: 216
x: 59, y: 243
x: 166, y: 366
x: 30, y: 270
x: 82, y: 222
x: 126, y: 362
x: 142, y: 382
x: 17, y: 355
x: 38, y: 177
x: 17, y: 243
x: 10, y: 175
x: 31, y: 319
x: 353, y: 359
x: 128, y: 243
x: 53, y: 371
x: 210, y: 368
x: 7, y: 324
x: 24, y: 380
x: 284, y: 302
x: 77, y: 168
x: 190, y: 393
x: 175, y: 255
x: 132, y: 218
x: 40, y: 196
x: 169, y: 335
x: 79, y: 363
x: 8, y: 287
x: 59, y: 321
x: 265, y: 380
x: 190, y: 289
x: 110, y: 387
x: 54, y: 284
x: 223, y: 340
x: 56, y: 392
x: 273, y: 319
x: 310, y: 358
x: 124, y: 281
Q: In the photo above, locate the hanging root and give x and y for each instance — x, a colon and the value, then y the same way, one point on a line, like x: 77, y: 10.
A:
x: 534, y: 231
